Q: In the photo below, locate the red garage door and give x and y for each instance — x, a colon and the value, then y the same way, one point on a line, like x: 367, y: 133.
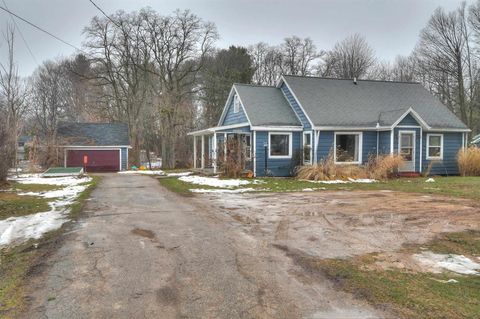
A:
x: 98, y: 160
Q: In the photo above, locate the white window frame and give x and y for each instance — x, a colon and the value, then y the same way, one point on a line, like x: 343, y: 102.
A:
x: 236, y: 104
x: 311, y: 147
x: 248, y: 135
x: 360, y: 148
x: 428, y: 147
x: 289, y: 144
x: 414, y: 146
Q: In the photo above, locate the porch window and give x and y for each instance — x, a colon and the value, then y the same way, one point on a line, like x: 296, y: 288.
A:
x: 247, y: 146
x: 348, y: 148
x: 280, y: 145
x: 435, y: 146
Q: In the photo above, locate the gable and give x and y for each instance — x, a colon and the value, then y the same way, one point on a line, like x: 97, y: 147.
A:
x: 408, y: 120
x: 295, y: 106
x: 231, y: 117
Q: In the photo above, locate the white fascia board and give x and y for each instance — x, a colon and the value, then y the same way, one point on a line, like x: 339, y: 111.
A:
x: 242, y: 105
x: 415, y: 115
x: 225, y: 107
x: 202, y: 132
x: 352, y: 128
x: 464, y: 130
x: 278, y: 128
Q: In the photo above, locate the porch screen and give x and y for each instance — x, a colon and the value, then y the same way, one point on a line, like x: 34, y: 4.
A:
x: 347, y: 148
x: 279, y: 145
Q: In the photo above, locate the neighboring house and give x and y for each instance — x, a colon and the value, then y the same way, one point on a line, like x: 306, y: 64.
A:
x: 22, y: 142
x: 104, y: 146
x: 313, y: 116
x: 476, y: 140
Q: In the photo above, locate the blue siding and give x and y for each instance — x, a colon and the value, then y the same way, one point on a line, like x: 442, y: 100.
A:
x: 369, y: 145
x: 280, y: 166
x: 296, y: 108
x: 384, y: 142
x: 325, y: 144
x: 235, y: 118
x: 452, y: 143
x: 124, y: 163
x: 417, y: 144
x: 409, y: 120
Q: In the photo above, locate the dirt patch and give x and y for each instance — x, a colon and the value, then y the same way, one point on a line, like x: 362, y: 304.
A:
x: 143, y: 232
x: 347, y: 223
x: 167, y: 295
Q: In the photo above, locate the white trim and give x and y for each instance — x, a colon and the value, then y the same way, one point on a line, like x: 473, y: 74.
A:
x: 421, y: 150
x: 241, y: 103
x: 236, y: 104
x: 428, y: 157
x: 378, y: 142
x: 408, y: 126
x: 415, y: 115
x: 126, y: 168
x: 289, y: 145
x: 317, y: 140
x: 65, y: 157
x: 414, y: 147
x: 214, y: 146
x: 225, y: 107
x: 202, y: 159
x: 277, y: 128
x: 120, y: 159
x: 391, y: 142
x: 360, y: 147
x: 311, y: 147
x: 353, y: 128
x: 254, y: 154
x: 282, y: 79
x: 194, y: 151
x: 449, y: 130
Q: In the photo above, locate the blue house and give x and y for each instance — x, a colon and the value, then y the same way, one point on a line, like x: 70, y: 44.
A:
x: 476, y: 140
x: 303, y: 119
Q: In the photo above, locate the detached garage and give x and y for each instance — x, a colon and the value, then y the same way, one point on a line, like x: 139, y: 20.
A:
x: 99, y: 147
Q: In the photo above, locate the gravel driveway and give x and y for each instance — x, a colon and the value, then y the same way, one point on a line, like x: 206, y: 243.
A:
x: 144, y: 252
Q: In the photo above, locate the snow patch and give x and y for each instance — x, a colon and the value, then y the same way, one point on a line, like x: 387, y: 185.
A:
x: 430, y: 180
x: 179, y: 174
x: 60, y: 181
x: 146, y: 172
x: 214, y: 182
x: 455, y: 263
x: 350, y: 180
x: 19, y: 229
x: 230, y: 191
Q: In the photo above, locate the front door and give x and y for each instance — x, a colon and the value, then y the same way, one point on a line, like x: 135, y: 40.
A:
x: 406, y: 148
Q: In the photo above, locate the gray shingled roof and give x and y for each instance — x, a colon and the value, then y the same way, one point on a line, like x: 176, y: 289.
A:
x: 266, y: 106
x: 335, y: 102
x: 93, y: 134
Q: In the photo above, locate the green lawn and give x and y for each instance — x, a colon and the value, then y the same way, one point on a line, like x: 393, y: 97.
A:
x: 13, y: 205
x: 467, y: 187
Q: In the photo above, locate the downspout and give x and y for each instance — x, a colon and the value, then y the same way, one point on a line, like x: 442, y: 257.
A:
x: 317, y: 140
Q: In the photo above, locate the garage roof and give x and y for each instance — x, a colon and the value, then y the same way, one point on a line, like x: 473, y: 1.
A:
x: 93, y: 134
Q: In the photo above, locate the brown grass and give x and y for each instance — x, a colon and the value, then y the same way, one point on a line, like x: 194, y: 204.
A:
x: 383, y: 167
x: 469, y: 161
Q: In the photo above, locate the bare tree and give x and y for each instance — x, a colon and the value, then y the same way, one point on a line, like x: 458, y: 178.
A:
x: 350, y: 58
x: 267, y: 63
x: 298, y: 55
x: 13, y: 92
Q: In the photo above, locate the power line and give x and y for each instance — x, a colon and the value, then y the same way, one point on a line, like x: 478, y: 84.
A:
x: 39, y: 28
x: 103, y: 12
x: 21, y: 35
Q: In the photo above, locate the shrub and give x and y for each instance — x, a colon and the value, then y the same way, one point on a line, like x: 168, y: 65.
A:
x: 469, y: 161
x: 381, y: 167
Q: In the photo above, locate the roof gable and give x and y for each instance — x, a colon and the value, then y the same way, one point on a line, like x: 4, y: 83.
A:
x: 338, y: 102
x: 93, y: 134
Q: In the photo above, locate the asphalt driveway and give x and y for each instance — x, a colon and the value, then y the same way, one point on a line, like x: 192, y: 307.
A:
x: 144, y: 252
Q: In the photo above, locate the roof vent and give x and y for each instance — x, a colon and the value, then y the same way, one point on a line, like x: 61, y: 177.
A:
x: 355, y: 81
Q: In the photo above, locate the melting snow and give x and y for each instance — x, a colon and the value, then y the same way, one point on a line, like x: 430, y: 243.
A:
x: 157, y: 172
x: 430, y: 180
x: 215, y: 182
x: 180, y: 174
x: 350, y: 180
x: 238, y: 190
x: 456, y: 263
x: 18, y: 229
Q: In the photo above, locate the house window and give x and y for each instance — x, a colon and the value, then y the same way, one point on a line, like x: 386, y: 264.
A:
x: 236, y: 104
x: 348, y: 148
x: 307, y: 148
x: 280, y: 145
x: 434, y: 146
x: 247, y: 147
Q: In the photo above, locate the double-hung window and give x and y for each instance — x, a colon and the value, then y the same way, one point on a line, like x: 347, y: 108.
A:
x: 435, y: 146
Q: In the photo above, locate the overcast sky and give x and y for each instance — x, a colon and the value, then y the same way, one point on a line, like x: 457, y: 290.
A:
x: 390, y: 26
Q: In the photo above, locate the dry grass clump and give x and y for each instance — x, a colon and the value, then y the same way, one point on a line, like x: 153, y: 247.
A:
x: 383, y: 167
x: 469, y: 161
